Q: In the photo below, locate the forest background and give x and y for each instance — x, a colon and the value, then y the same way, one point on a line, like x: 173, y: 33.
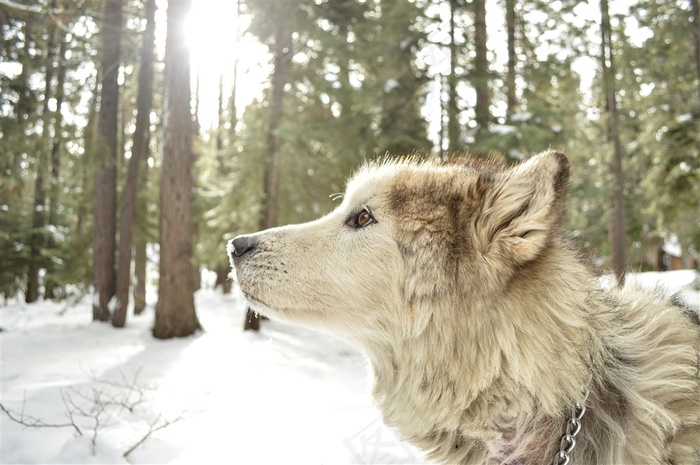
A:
x: 144, y: 132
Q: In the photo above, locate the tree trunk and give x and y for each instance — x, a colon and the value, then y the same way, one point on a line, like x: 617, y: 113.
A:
x: 58, y: 133
x: 54, y: 188
x: 175, y: 312
x: 139, y: 151
x: 617, y: 204
x: 695, y: 6
x: 140, y: 259
x: 24, y: 107
x: 222, y: 279
x: 220, y: 128
x: 280, y: 76
x: 37, y: 236
x: 90, y: 143
x: 453, y: 139
x: 141, y: 241
x: 104, y: 240
x: 511, y: 102
x: 196, y: 127
x: 481, y: 68
x: 233, y: 106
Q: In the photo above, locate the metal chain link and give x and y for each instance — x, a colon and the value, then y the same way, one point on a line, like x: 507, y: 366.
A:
x: 567, y: 443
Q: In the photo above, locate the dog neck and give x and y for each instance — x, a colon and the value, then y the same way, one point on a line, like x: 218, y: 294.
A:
x: 487, y: 384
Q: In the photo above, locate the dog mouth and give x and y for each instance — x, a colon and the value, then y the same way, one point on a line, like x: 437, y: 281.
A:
x: 256, y: 302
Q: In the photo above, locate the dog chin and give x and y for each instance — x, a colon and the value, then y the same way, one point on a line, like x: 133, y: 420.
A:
x: 260, y: 306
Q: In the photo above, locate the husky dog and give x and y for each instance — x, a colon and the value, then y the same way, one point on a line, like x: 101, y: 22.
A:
x: 485, y: 332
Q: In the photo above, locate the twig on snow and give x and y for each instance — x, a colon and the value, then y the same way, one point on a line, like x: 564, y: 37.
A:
x: 31, y: 422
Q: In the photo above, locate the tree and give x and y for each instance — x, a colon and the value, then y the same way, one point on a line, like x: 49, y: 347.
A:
x: 453, y: 126
x: 511, y: 104
x: 617, y: 204
x: 481, y: 70
x: 51, y: 281
x: 662, y: 117
x: 104, y: 236
x: 282, y: 56
x: 175, y: 310
x: 37, y: 237
x: 139, y: 152
x: 695, y: 7
x: 402, y: 129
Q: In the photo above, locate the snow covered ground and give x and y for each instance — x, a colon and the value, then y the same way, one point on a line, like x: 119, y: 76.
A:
x: 285, y: 395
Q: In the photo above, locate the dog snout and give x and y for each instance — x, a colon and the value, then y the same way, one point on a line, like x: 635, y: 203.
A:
x: 240, y: 245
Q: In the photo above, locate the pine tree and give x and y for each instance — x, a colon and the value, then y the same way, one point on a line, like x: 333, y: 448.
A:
x: 104, y: 237
x: 138, y: 154
x: 37, y: 238
x: 662, y: 91
x: 480, y: 73
x: 175, y: 311
x: 617, y: 207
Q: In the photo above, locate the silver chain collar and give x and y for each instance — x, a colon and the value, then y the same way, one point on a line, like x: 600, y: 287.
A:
x: 567, y: 443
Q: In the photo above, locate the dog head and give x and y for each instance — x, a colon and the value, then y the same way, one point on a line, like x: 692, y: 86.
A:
x: 408, y: 239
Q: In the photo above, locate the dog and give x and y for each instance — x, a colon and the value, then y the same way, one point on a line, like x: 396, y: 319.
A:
x: 490, y: 340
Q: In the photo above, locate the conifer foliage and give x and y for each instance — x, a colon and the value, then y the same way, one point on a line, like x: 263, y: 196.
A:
x: 89, y: 162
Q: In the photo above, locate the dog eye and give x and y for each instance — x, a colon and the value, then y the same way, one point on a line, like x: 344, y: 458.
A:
x: 360, y: 219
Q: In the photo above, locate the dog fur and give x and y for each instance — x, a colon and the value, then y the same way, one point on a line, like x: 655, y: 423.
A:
x: 482, y: 326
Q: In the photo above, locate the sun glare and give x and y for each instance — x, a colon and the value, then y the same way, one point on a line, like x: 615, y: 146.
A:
x: 214, y: 48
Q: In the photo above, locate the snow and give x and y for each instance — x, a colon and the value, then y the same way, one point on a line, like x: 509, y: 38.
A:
x: 521, y: 117
x: 284, y: 395
x: 684, y: 283
x: 502, y: 129
x: 672, y: 246
x: 390, y: 85
x: 684, y: 118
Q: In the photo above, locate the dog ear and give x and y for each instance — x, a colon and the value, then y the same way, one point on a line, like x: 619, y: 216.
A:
x: 523, y: 207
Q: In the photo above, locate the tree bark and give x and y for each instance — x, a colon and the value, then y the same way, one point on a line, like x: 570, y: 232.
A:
x: 37, y: 236
x: 220, y: 128
x: 222, y: 279
x: 481, y: 67
x: 695, y: 7
x: 175, y: 311
x: 280, y: 76
x: 51, y: 283
x: 617, y: 202
x: 90, y: 144
x: 140, y: 259
x: 104, y: 238
x: 24, y: 106
x: 453, y: 132
x: 511, y: 103
x: 139, y: 151
x: 233, y: 106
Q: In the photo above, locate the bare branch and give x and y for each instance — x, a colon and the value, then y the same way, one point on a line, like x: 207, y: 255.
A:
x: 155, y: 426
x: 31, y: 422
x: 94, y: 406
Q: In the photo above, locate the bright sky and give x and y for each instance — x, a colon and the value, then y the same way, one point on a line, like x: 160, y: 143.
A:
x: 214, y: 48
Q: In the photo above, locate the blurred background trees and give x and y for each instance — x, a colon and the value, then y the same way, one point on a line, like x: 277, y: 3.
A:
x: 303, y: 92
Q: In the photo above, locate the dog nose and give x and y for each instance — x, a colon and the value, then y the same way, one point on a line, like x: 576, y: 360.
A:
x: 240, y: 245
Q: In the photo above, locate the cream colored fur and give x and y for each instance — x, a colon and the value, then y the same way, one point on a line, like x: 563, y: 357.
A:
x: 482, y: 326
